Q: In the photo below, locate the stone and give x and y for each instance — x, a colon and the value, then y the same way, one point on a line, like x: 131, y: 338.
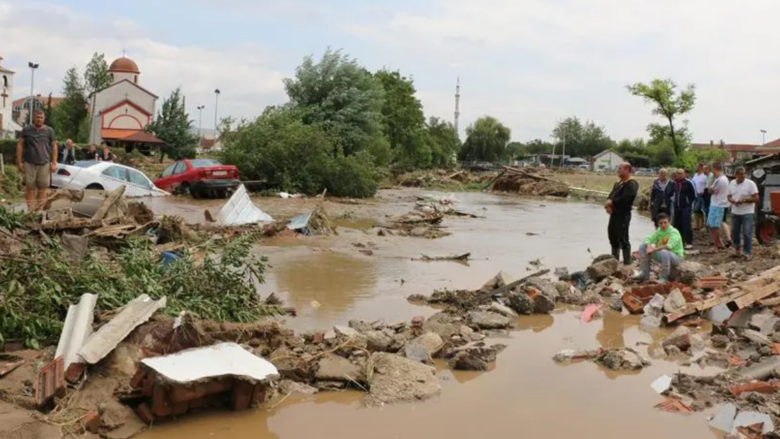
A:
x: 477, y: 337
x: 521, y: 303
x: 602, y: 258
x: 756, y: 337
x: 346, y: 331
x: 543, y: 304
x: 485, y: 353
x: 442, y: 324
x: 336, y: 368
x: 379, y: 341
x: 562, y: 287
x: 602, y: 269
x: 399, y: 379
x: 675, y: 301
x: 465, y: 331
x: 487, y: 320
x: 616, y: 303
x: 360, y: 326
x: 544, y: 286
x: 687, y: 272
x: 424, y: 347
x: 680, y: 338
x: 290, y: 365
x: 649, y: 321
x: 572, y: 295
x: 613, y: 288
x: 498, y: 281
x: 466, y: 361
x: 502, y: 309
x: 291, y: 387
x: 622, y: 359
x: 590, y: 299
x: 74, y: 247
x: 330, y: 385
x: 719, y: 341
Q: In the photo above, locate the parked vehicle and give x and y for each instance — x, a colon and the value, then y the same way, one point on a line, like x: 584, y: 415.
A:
x: 108, y: 176
x: 199, y: 178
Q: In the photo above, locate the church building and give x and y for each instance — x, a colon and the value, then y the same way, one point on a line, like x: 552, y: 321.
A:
x: 8, y: 128
x: 121, y: 111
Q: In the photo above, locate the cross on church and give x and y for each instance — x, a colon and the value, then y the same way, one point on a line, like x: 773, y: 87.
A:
x: 4, y: 96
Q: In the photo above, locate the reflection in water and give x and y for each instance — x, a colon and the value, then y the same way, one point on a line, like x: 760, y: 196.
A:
x: 536, y: 322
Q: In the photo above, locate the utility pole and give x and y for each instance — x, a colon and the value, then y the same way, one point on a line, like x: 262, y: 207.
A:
x: 216, y: 108
x: 563, y: 155
x: 457, y: 106
x: 763, y: 137
x: 31, y: 109
x: 200, y: 119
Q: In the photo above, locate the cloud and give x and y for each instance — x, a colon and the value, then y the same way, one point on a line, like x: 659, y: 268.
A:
x: 58, y: 39
x: 571, y: 57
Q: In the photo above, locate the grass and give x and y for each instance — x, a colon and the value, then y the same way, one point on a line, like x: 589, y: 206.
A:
x: 598, y: 182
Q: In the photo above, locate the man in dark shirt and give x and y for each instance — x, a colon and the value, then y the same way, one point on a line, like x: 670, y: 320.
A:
x: 684, y: 198
x: 36, y: 158
x: 619, y: 205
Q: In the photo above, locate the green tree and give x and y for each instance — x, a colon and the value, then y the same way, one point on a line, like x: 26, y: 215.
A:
x: 443, y: 142
x: 404, y: 122
x: 582, y: 140
x: 538, y: 146
x: 172, y: 125
x: 345, y: 100
x: 486, y: 140
x: 96, y: 76
x: 68, y: 116
x: 671, y: 104
x: 516, y: 149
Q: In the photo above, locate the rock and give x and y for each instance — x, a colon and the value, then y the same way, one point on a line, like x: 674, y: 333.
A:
x: 500, y: 280
x: 687, y: 272
x: 613, y: 288
x: 756, y: 337
x: 346, y: 344
x: 602, y: 258
x: 650, y: 321
x: 335, y: 368
x: 330, y: 385
x: 291, y: 387
x: 680, y: 338
x: 572, y: 295
x: 397, y: 379
x: 697, y: 343
x: 379, y: 341
x: 477, y: 337
x: 602, y: 269
x: 74, y: 247
x: 521, y: 303
x: 655, y: 306
x: 502, y: 309
x: 616, y: 303
x: 562, y: 287
x: 424, y: 347
x: 442, y: 324
x: 419, y: 232
x: 466, y: 361
x: 290, y: 365
x: 719, y: 341
x: 590, y: 299
x: 487, y: 320
x: 346, y: 331
x: 674, y: 302
x: 544, y: 286
x: 622, y: 359
x: 360, y: 326
x: 543, y: 304
x: 764, y: 323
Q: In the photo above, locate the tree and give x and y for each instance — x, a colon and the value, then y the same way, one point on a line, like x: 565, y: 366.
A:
x: 68, y: 116
x: 443, y: 141
x: 539, y: 146
x: 670, y: 103
x: 345, y: 100
x: 404, y: 122
x: 516, y: 149
x: 582, y: 140
x: 486, y: 140
x: 172, y: 125
x: 96, y: 76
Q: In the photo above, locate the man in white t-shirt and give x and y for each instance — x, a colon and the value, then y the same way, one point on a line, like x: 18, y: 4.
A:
x: 743, y: 196
x: 719, y: 202
x: 699, y: 184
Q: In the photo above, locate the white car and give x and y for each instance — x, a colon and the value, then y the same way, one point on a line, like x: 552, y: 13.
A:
x: 107, y: 176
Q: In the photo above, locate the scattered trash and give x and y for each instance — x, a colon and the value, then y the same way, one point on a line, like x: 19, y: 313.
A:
x: 313, y: 223
x: 457, y: 258
x: 662, y: 384
x: 49, y: 382
x: 589, y: 312
x: 240, y: 210
x: 9, y: 363
x: 674, y: 406
x: 75, y: 333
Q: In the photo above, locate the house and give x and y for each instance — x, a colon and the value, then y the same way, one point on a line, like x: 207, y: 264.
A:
x: 741, y: 151
x: 606, y: 161
x: 8, y: 128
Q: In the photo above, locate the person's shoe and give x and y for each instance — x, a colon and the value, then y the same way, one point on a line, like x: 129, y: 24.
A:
x: 662, y: 281
x: 638, y: 276
x: 689, y: 247
x: 747, y: 257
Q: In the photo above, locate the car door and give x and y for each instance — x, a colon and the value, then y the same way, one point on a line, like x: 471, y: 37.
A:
x: 178, y: 177
x: 139, y: 185
x: 165, y: 182
x: 113, y: 177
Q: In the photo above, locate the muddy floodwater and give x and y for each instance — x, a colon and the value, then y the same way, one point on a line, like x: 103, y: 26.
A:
x: 527, y: 395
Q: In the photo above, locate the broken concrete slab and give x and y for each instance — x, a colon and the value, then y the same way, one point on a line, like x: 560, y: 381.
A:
x: 74, y: 247
x: 756, y: 337
x: 487, y: 320
x: 521, y: 303
x: 467, y: 361
x: 424, y: 347
x: 502, y: 309
x: 336, y: 368
x: 680, y: 338
x: 399, y: 379
x: 498, y: 281
x: 602, y: 269
x: 724, y: 419
x: 622, y: 359
x: 686, y: 272
x: 101, y: 343
x: 674, y: 302
x: 544, y: 286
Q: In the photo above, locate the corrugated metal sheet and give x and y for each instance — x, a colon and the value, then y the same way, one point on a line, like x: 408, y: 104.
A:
x: 240, y: 210
x: 224, y: 359
x: 300, y: 222
x: 77, y: 329
x: 112, y: 333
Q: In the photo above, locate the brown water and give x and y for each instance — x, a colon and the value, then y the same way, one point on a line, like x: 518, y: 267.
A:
x: 526, y: 395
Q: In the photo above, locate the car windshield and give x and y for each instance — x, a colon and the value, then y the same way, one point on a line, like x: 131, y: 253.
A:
x: 85, y: 163
x: 203, y: 163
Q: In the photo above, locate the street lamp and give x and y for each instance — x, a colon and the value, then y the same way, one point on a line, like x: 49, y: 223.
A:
x: 216, y: 108
x: 763, y: 137
x: 200, y: 118
x: 32, y: 67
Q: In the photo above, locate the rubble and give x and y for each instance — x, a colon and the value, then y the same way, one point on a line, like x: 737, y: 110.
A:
x: 602, y: 269
x: 392, y: 378
x: 517, y: 180
x: 613, y: 359
x: 487, y: 320
x: 424, y: 347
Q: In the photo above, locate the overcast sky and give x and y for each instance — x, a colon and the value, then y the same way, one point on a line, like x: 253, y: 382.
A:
x: 527, y: 62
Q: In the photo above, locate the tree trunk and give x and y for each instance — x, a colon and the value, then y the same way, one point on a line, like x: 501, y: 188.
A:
x: 677, y: 151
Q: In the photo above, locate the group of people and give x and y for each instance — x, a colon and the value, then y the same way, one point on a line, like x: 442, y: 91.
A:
x: 678, y: 205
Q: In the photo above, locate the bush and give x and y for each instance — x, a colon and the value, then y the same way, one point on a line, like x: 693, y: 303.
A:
x: 11, y: 184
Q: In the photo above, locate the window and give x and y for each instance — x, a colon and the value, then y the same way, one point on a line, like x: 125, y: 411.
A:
x: 203, y: 163
x: 168, y: 171
x: 135, y: 79
x: 138, y: 179
x: 116, y: 172
x: 180, y: 168
x: 5, y: 81
x: 85, y: 164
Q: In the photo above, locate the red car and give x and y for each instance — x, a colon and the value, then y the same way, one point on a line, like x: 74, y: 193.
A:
x: 199, y: 178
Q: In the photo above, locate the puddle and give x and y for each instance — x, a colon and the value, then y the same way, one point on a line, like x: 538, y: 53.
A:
x: 527, y: 395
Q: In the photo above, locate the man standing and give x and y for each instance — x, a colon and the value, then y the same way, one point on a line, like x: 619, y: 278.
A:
x: 661, y: 196
x: 66, y: 156
x: 743, y: 195
x: 719, y: 202
x: 684, y: 198
x: 619, y: 205
x: 665, y: 245
x: 699, y: 185
x: 36, y: 158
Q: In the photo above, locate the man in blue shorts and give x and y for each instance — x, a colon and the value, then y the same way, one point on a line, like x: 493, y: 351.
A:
x: 719, y: 202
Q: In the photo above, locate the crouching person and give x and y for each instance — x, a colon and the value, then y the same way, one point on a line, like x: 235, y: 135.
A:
x: 665, y: 245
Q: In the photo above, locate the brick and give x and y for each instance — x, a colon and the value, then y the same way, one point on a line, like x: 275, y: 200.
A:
x: 242, y: 395
x: 9, y: 363
x: 758, y: 387
x: 207, y: 401
x: 50, y: 381
x: 218, y: 386
x: 259, y: 395
x: 634, y: 304
x: 319, y: 337
x: 137, y: 381
x: 161, y: 408
x: 776, y: 349
x: 674, y: 406
x: 186, y: 393
x: 91, y: 422
x: 180, y: 408
x: 75, y: 372
x: 144, y: 413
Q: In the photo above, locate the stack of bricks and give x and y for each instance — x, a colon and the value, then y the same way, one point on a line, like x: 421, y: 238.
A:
x: 163, y: 400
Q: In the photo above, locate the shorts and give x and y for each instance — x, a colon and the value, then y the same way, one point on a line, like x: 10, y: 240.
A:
x: 37, y: 176
x: 715, y: 217
x: 698, y: 204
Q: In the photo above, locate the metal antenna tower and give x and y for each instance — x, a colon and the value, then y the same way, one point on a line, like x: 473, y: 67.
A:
x: 457, y: 106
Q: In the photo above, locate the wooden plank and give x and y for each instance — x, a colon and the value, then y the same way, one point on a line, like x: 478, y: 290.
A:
x: 751, y: 298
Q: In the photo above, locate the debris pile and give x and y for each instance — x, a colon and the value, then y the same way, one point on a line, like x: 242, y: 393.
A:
x: 444, y: 178
x: 315, y: 223
x: 436, y: 204
x: 522, y: 181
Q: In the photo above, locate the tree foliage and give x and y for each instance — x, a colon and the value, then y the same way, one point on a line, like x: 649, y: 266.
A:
x: 96, y: 76
x: 443, y: 142
x: 670, y: 103
x: 486, y: 140
x: 69, y: 115
x: 581, y: 139
x: 172, y: 125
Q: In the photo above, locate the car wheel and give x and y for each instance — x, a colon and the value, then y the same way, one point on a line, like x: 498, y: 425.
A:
x: 95, y: 186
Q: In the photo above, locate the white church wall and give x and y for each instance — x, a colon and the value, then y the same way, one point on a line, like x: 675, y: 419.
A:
x: 127, y: 117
